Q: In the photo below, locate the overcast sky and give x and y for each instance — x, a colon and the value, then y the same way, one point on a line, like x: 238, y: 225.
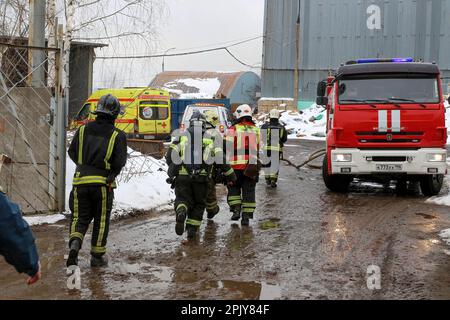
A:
x: 197, y: 25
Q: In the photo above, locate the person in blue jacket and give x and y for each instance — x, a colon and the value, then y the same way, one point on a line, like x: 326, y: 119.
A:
x: 17, y: 241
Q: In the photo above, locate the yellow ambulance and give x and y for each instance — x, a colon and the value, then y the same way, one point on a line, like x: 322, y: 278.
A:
x: 146, y: 112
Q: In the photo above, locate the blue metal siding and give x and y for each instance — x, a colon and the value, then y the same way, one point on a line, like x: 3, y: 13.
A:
x: 245, y: 89
x: 335, y: 31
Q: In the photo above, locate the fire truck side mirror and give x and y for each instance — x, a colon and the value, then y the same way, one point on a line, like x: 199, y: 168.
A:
x: 322, y: 101
x: 322, y: 89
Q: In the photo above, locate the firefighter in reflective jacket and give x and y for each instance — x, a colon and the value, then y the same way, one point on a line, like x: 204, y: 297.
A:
x: 99, y: 150
x: 194, y: 156
x: 275, y: 136
x: 243, y: 148
x: 212, y: 121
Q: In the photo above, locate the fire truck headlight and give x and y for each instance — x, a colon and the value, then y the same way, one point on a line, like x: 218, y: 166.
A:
x: 340, y: 157
x: 437, y: 157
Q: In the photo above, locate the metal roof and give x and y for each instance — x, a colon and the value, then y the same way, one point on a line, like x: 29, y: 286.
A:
x: 227, y: 80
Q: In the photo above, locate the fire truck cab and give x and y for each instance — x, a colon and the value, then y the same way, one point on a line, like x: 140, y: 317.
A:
x: 386, y: 121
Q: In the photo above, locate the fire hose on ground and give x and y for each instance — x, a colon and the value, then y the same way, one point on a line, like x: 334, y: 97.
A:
x: 313, y: 156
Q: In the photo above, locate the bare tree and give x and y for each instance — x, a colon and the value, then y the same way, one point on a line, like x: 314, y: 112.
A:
x: 13, y: 18
x: 126, y: 26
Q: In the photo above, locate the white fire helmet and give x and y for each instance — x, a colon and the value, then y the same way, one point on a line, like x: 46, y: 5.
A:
x: 274, y: 114
x: 243, y: 111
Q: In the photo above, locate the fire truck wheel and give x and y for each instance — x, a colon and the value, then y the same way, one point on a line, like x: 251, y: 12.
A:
x: 432, y: 185
x: 335, y: 183
x: 401, y: 187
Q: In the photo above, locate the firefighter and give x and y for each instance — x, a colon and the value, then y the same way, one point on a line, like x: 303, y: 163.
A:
x: 99, y: 150
x: 243, y: 148
x: 212, y: 207
x: 195, y: 162
x: 275, y: 137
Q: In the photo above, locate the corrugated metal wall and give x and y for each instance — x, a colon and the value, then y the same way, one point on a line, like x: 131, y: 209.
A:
x: 335, y: 31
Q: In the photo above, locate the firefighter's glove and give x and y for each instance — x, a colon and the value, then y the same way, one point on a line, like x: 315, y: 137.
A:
x: 171, y: 181
x: 231, y: 179
x: 110, y: 179
x: 33, y: 279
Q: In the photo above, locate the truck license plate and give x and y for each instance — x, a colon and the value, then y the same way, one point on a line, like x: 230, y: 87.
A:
x: 389, y: 167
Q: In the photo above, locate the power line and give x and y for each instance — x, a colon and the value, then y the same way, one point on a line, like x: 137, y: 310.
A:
x: 226, y: 49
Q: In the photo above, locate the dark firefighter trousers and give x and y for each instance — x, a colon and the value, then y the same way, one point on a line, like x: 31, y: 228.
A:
x: 241, y: 196
x: 89, y: 203
x: 272, y: 171
x: 211, y: 198
x: 190, y: 193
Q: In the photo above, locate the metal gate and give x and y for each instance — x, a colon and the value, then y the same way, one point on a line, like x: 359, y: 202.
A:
x: 32, y: 127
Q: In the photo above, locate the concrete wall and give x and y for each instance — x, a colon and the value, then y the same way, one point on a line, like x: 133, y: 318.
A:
x: 20, y: 180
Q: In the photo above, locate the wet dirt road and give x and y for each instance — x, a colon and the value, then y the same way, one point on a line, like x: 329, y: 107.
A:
x: 305, y: 243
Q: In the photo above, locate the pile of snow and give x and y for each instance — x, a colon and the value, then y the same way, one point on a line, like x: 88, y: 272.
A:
x: 206, y: 88
x: 140, y: 187
x: 445, y: 235
x: 48, y: 219
x: 308, y: 124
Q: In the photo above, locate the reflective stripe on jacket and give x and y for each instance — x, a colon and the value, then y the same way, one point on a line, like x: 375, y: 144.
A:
x: 268, y: 130
x: 100, y: 152
x: 245, y: 137
x: 208, y: 151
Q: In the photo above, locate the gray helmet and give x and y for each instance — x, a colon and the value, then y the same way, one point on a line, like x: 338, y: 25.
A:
x: 109, y: 105
x: 198, y: 119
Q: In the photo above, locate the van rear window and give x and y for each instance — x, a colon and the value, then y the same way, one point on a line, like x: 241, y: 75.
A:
x: 155, y: 103
x: 153, y: 113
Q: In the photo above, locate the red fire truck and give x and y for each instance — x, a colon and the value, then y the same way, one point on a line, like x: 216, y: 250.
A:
x: 386, y: 122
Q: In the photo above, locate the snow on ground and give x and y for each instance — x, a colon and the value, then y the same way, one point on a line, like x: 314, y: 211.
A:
x: 48, y: 219
x: 140, y: 187
x: 445, y: 235
x: 207, y: 88
x: 308, y: 124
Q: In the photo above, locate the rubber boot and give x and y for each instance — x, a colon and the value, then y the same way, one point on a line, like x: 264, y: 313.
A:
x: 98, y: 261
x: 273, y: 184
x: 181, y: 218
x: 236, y: 215
x: 268, y: 182
x: 245, y: 221
x: 191, y: 232
x: 75, y: 247
x: 213, y: 213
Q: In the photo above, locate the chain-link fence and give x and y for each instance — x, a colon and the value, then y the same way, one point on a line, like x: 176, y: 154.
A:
x: 30, y: 101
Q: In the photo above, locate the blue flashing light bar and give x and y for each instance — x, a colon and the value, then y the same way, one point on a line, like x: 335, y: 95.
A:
x: 394, y: 60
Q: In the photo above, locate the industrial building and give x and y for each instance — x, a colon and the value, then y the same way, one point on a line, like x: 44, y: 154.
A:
x: 332, y: 32
x: 239, y: 87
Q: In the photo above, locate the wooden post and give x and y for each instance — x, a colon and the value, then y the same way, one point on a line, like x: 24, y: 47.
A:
x: 297, y: 60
